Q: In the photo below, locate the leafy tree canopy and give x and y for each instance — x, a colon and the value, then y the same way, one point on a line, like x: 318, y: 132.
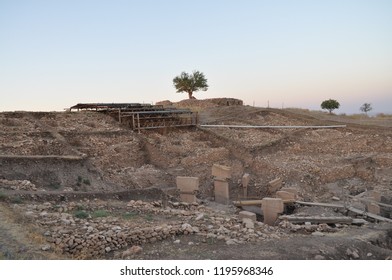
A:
x: 330, y: 105
x: 190, y: 83
x: 366, y: 107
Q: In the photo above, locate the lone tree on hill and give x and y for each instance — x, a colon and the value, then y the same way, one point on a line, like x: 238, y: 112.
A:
x: 330, y: 105
x: 366, y: 107
x: 190, y: 83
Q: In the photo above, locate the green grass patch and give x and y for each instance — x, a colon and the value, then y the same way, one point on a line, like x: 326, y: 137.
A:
x: 129, y: 215
x: 82, y: 180
x: 16, y: 200
x: 149, y: 217
x: 80, y: 214
x: 3, y: 196
x: 54, y: 186
x: 86, y: 182
x: 79, y: 207
x: 99, y: 214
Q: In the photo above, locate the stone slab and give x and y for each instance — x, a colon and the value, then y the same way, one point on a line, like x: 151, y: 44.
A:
x: 285, y: 195
x: 221, y: 191
x: 291, y: 190
x: 221, y: 171
x: 245, y: 180
x: 376, y: 195
x: 187, y: 184
x: 275, y: 185
x: 247, y: 215
x: 271, y: 203
x: 245, y: 192
x: 248, y: 223
x: 271, y: 207
x: 373, y: 208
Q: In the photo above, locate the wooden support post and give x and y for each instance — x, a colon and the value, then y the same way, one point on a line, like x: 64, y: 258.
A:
x: 133, y: 122
x: 138, y: 123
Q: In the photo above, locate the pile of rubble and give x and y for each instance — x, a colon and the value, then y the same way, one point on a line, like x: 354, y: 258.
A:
x: 32, y: 143
x: 79, y: 122
x: 18, y: 185
x: 92, y: 237
x: 15, y: 122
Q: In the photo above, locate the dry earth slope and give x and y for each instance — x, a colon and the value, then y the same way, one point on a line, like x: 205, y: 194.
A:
x: 79, y: 185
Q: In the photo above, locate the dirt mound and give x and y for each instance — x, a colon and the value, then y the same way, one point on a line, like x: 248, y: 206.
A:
x: 198, y: 104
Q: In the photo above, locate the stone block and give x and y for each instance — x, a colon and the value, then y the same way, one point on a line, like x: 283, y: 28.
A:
x: 245, y: 180
x: 271, y: 207
x: 245, y: 192
x: 247, y: 215
x: 248, y: 223
x: 285, y: 195
x: 275, y: 204
x: 291, y: 190
x: 373, y: 208
x: 376, y: 195
x: 187, y: 184
x: 221, y: 191
x: 274, y: 185
x: 221, y: 171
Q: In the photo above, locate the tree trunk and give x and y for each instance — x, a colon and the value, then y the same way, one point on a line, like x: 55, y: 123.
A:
x: 190, y: 95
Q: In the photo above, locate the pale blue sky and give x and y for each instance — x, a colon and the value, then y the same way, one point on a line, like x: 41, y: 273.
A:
x: 54, y: 54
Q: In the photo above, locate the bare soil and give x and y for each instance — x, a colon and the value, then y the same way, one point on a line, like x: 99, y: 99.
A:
x: 69, y: 160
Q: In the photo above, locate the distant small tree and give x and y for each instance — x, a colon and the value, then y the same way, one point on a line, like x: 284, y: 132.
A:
x: 190, y: 83
x: 330, y: 105
x: 366, y: 107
